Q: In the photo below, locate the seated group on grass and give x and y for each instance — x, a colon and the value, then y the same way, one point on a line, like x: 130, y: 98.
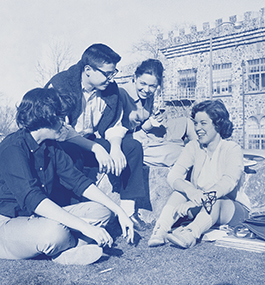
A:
x: 50, y: 205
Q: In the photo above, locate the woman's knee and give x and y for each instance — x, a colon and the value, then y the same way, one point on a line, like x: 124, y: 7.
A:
x: 226, y: 210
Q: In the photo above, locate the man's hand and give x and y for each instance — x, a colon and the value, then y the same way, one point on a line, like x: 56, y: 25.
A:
x: 47, y: 208
x: 105, y: 161
x: 119, y: 160
x: 100, y: 235
x: 126, y: 226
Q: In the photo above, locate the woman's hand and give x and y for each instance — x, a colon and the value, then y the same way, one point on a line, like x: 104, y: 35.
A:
x: 126, y: 226
x: 99, y: 234
x: 159, y: 117
x: 105, y: 161
x: 119, y: 160
x: 196, y: 197
x: 183, y: 208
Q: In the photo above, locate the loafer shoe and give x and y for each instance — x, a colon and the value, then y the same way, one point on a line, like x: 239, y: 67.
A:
x: 138, y: 224
x: 79, y: 255
x: 182, y: 237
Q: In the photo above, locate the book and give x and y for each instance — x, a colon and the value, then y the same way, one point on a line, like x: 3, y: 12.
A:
x: 224, y: 238
x: 254, y: 245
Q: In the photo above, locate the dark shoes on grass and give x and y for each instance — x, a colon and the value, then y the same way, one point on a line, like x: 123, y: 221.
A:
x: 138, y: 224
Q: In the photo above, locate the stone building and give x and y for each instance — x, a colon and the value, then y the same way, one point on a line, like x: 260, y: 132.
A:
x: 224, y: 62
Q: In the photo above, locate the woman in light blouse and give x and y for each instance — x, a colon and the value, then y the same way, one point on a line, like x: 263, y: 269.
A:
x: 212, y: 196
x: 162, y: 139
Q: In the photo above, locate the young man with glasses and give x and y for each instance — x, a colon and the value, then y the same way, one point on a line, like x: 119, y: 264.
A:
x: 95, y: 127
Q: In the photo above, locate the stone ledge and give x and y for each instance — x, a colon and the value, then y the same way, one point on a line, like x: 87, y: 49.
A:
x: 158, y: 190
x: 254, y: 187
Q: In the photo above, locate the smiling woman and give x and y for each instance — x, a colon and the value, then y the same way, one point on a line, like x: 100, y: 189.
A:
x: 138, y: 96
x: 211, y: 121
x: 162, y: 138
x: 212, y: 196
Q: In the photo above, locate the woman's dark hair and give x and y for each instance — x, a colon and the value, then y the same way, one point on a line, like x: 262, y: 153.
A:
x: 98, y: 54
x: 152, y: 67
x: 39, y: 108
x: 218, y: 113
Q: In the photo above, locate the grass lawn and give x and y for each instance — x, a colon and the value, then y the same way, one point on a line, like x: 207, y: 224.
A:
x: 137, y: 264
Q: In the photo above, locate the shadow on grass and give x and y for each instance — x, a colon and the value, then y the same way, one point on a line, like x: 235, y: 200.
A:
x: 114, y: 229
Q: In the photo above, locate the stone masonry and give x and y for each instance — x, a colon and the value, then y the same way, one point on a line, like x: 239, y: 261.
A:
x: 229, y: 46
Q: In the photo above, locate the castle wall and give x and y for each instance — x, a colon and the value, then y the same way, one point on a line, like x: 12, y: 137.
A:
x: 236, y: 47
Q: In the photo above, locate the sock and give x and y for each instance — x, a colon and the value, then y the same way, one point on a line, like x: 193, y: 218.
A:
x: 167, y: 218
x: 168, y: 215
x: 128, y: 206
x: 201, y: 224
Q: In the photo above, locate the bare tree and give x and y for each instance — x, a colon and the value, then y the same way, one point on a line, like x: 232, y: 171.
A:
x: 150, y: 44
x: 57, y: 57
x: 7, y: 117
x: 154, y: 39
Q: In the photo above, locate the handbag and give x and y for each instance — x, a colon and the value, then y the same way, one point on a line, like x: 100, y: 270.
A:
x: 254, y: 225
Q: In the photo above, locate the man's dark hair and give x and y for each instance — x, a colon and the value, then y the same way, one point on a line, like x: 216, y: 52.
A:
x: 98, y: 54
x: 218, y: 113
x: 39, y: 108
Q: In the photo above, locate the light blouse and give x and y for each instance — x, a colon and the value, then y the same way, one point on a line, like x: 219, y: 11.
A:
x: 222, y: 173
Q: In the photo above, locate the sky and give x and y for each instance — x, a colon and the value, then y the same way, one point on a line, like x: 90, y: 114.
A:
x: 29, y: 26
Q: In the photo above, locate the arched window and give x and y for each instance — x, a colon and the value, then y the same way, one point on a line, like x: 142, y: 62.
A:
x: 256, y: 133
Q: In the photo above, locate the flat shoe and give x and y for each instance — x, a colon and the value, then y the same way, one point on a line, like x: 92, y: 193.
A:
x: 79, y: 255
x: 138, y: 224
x: 156, y: 241
x: 183, y: 238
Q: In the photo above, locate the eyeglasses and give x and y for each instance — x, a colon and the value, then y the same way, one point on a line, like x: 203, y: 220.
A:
x: 109, y: 75
x: 209, y: 200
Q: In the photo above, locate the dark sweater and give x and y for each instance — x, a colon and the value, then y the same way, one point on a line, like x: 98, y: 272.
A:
x: 28, y: 172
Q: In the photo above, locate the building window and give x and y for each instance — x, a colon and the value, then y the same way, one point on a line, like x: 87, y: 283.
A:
x: 187, y: 83
x: 222, y: 79
x: 187, y: 78
x: 256, y: 74
x: 256, y: 133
